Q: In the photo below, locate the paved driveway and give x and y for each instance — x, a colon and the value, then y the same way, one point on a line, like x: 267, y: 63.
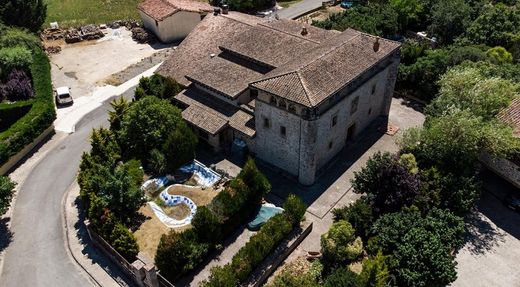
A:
x: 492, y: 255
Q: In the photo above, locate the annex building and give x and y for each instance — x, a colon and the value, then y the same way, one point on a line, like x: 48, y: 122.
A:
x: 293, y: 93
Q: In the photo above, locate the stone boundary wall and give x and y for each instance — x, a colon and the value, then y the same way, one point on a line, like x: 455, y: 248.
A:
x: 282, y: 251
x: 142, y: 272
x: 17, y: 158
x: 502, y: 167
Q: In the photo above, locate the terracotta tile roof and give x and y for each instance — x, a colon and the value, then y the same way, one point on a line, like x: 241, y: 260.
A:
x: 193, y: 54
x: 511, y: 115
x: 212, y: 114
x: 313, y: 76
x: 161, y: 9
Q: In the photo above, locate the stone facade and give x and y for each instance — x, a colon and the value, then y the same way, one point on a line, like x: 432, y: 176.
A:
x: 301, y: 144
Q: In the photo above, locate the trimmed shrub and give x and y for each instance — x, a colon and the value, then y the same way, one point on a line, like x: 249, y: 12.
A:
x: 10, y: 113
x: 124, y: 242
x: 340, y: 245
x: 295, y: 209
x: 14, y: 58
x: 39, y: 118
x: 179, y: 253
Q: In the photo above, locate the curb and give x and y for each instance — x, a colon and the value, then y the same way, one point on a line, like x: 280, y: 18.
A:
x: 66, y: 235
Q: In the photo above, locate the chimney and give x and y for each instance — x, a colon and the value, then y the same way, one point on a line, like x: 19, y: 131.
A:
x: 376, y: 45
x: 216, y: 11
x: 304, y: 31
x: 225, y: 9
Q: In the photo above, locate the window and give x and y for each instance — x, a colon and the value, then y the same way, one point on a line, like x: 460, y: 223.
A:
x: 354, y: 105
x: 156, y: 23
x: 334, y: 120
x: 291, y: 108
x: 370, y: 111
x: 282, y: 104
x: 330, y: 145
x: 282, y: 131
x: 374, y: 89
x: 273, y: 100
x: 254, y: 94
x: 267, y: 124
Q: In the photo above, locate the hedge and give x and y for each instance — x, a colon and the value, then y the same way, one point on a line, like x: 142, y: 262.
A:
x: 251, y: 254
x: 10, y: 113
x: 39, y: 118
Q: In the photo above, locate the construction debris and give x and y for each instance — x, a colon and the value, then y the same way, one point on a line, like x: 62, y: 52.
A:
x: 129, y: 24
x: 142, y: 36
x: 51, y: 34
x: 53, y: 49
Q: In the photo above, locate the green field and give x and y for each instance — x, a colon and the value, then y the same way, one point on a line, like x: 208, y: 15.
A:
x: 79, y: 12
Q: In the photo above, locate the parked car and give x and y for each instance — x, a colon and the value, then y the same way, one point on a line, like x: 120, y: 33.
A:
x: 265, y: 13
x: 63, y: 96
x: 512, y: 201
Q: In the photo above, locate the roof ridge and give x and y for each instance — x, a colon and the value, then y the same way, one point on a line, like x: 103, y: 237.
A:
x: 332, y: 48
x: 284, y: 32
x: 304, y: 88
x: 236, y: 20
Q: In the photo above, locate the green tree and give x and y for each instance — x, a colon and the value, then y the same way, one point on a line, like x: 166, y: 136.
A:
x: 221, y: 276
x: 207, y: 225
x: 124, y: 242
x: 342, y: 277
x: 339, y: 244
x: 179, y: 147
x: 6, y: 193
x: 104, y: 147
x: 495, y: 25
x: 157, y: 164
x: 422, y: 260
x: 157, y: 86
x: 500, y: 55
x: 464, y: 88
x: 408, y: 12
x: 449, y: 19
x: 374, y: 18
x: 115, y: 116
x: 146, y: 126
x: 375, y: 271
x: 28, y: 14
x: 359, y: 214
x: 294, y: 208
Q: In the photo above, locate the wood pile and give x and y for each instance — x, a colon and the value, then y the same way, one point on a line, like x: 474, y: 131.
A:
x: 142, y: 36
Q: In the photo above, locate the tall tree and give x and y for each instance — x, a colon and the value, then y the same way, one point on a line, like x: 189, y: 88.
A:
x: 28, y: 14
x: 6, y: 193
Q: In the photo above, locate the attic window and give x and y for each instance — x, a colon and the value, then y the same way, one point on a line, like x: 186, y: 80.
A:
x: 291, y: 108
x: 156, y: 23
x: 273, y: 100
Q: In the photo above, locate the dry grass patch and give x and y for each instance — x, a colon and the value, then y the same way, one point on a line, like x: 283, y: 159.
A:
x: 150, y: 232
x: 200, y: 196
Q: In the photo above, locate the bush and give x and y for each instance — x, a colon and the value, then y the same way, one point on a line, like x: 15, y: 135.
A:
x: 387, y: 183
x: 6, y: 193
x: 12, y: 37
x: 17, y: 87
x: 14, y: 58
x: 253, y: 253
x: 207, y: 225
x: 179, y: 147
x: 342, y: 277
x: 157, y: 163
x: 221, y: 277
x: 292, y: 275
x: 124, y: 242
x: 295, y: 209
x: 157, y: 86
x: 375, y: 271
x: 29, y: 14
x: 178, y: 253
x: 340, y: 245
x: 359, y: 215
x: 11, y: 113
x: 39, y: 118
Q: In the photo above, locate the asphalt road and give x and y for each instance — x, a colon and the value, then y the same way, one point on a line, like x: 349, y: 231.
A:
x: 37, y: 255
x: 299, y: 9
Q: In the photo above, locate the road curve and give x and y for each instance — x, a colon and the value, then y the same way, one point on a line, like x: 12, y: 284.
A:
x: 37, y: 255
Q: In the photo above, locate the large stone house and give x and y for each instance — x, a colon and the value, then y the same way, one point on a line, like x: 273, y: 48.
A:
x: 172, y: 20
x: 293, y: 93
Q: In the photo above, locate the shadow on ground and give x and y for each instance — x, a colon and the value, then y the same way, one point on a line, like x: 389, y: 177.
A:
x: 488, y: 225
x: 93, y: 253
x: 6, y: 236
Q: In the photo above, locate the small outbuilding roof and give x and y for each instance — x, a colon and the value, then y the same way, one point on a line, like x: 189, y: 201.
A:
x: 161, y: 9
x: 511, y: 115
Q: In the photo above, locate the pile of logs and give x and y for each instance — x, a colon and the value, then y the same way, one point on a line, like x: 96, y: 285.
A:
x: 142, y: 36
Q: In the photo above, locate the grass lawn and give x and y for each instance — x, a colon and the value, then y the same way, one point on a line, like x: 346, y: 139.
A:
x: 79, y: 12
